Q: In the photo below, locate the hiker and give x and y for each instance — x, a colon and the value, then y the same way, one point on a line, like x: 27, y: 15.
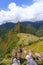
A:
x: 38, y: 57
x: 14, y: 58
x: 29, y: 60
x: 41, y: 54
x: 19, y: 56
x: 30, y: 53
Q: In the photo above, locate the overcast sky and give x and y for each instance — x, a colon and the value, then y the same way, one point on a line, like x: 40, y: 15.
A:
x: 20, y: 10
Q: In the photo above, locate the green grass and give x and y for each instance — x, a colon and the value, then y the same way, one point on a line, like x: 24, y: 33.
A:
x: 38, y: 46
x: 23, y: 41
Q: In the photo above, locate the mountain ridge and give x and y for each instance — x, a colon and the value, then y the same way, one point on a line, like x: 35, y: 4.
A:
x: 25, y: 25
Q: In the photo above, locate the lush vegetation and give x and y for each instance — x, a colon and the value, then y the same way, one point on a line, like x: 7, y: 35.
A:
x: 19, y: 35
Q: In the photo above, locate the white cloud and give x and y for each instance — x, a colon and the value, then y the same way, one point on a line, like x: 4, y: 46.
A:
x: 22, y: 13
x: 37, y: 0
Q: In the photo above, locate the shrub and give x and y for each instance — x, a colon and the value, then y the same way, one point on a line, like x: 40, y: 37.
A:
x: 8, y: 56
x: 2, y: 64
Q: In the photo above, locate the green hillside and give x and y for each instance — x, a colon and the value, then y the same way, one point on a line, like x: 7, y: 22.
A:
x: 40, y: 31
x: 20, y: 36
x: 30, y: 41
x: 17, y: 40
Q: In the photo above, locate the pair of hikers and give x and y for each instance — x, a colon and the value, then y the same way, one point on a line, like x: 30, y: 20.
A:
x: 29, y: 58
x: 16, y: 57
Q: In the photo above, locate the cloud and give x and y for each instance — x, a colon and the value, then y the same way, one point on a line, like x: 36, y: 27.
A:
x: 22, y: 13
x: 37, y: 0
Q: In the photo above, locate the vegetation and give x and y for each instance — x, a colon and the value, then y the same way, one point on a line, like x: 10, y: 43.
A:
x: 20, y: 36
x: 40, y: 31
x: 35, y: 28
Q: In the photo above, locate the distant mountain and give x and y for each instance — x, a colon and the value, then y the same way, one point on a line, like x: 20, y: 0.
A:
x: 5, y: 28
x: 36, y: 24
x: 23, y: 27
x: 40, y: 31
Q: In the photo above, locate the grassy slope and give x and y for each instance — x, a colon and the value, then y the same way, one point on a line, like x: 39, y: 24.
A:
x: 13, y: 40
x: 38, y: 47
x: 37, y: 43
x: 26, y: 38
